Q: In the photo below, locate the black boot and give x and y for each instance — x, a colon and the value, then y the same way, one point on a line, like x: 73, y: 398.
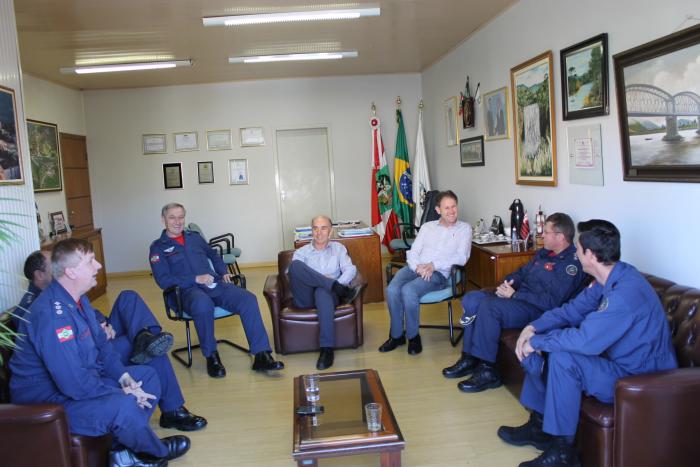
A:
x: 181, y: 419
x: 484, y: 377
x: 214, y: 366
x: 264, y: 362
x: 148, y: 345
x: 392, y: 343
x: 559, y: 454
x: 124, y: 457
x: 325, y: 358
x: 464, y: 366
x: 530, y: 433
x: 414, y: 345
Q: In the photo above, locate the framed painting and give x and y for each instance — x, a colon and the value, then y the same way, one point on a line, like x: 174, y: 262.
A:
x: 659, y: 108
x: 45, y: 155
x: 471, y: 151
x: 584, y: 78
x: 172, y: 176
x: 451, y: 126
x: 534, y: 126
x: 496, y: 115
x: 10, y: 154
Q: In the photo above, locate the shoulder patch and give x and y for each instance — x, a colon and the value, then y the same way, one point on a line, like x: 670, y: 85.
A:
x: 571, y: 270
x: 155, y: 258
x: 65, y: 334
x: 603, y: 304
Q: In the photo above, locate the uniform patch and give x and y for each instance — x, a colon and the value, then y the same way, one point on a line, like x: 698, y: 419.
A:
x: 169, y: 250
x: 575, y: 257
x: 155, y: 258
x: 571, y: 270
x: 603, y: 304
x: 65, y: 334
x: 549, y: 266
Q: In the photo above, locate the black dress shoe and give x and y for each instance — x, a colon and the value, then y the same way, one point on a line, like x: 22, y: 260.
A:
x: 346, y: 293
x: 414, y: 345
x: 325, y: 359
x: 392, y: 343
x: 558, y: 454
x: 182, y: 420
x: 264, y: 362
x: 148, y: 345
x: 484, y: 377
x: 464, y: 366
x: 177, y: 446
x: 125, y: 458
x: 528, y: 434
x: 215, y: 368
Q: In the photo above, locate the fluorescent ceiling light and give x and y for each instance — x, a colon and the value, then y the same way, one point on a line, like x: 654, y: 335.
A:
x: 293, y: 57
x: 313, y: 15
x: 126, y: 67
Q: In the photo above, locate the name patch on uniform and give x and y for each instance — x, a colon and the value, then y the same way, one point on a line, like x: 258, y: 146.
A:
x: 155, y: 258
x: 65, y: 334
x: 603, y: 304
x: 549, y: 266
x: 571, y: 270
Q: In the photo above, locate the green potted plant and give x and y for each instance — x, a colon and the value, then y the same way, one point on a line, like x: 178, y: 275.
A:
x: 7, y: 238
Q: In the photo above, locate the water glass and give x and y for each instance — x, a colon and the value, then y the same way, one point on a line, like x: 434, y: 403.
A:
x: 373, y: 412
x: 311, y: 387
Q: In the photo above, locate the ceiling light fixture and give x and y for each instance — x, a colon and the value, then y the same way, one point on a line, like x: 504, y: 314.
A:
x: 293, y: 57
x: 313, y: 15
x: 126, y: 67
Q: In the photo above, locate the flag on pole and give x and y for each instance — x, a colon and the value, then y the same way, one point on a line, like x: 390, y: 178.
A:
x: 525, y: 228
x: 383, y: 217
x: 421, y: 183
x: 403, y: 184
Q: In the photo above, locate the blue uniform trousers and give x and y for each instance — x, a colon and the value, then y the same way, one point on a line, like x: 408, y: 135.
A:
x: 492, y: 315
x: 311, y: 289
x: 129, y: 316
x: 403, y: 299
x: 118, y: 414
x: 568, y: 375
x: 200, y: 302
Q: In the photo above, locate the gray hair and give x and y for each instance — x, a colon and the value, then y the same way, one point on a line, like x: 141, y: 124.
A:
x: 170, y: 206
x: 66, y: 254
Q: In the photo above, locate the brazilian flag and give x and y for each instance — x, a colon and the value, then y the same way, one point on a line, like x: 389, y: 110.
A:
x: 402, y: 202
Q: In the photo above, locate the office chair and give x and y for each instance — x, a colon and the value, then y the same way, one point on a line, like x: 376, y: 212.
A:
x: 224, y: 244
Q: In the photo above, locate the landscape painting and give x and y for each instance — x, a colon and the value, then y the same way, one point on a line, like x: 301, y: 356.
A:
x: 45, y: 155
x: 584, y: 79
x: 533, y: 122
x: 10, y: 160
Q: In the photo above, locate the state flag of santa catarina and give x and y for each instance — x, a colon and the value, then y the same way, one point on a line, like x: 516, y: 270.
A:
x: 383, y: 217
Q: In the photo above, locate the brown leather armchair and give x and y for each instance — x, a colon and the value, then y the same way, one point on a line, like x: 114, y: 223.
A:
x: 296, y: 330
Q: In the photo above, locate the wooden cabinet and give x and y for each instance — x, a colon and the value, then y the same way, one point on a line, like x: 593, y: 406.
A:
x: 93, y: 236
x: 489, y: 264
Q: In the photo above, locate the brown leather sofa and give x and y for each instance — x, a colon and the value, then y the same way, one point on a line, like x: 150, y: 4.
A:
x: 656, y: 417
x: 37, y: 435
x: 296, y: 330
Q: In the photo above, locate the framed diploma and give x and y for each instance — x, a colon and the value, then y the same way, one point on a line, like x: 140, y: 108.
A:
x: 205, y: 172
x: 218, y: 140
x: 238, y: 171
x: 172, y: 176
x: 252, y: 136
x: 154, y: 144
x: 186, y: 141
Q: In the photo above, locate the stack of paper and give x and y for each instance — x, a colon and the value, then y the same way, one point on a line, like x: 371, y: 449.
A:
x: 355, y: 232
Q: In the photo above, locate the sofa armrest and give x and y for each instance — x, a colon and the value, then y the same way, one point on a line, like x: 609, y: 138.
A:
x: 358, y: 303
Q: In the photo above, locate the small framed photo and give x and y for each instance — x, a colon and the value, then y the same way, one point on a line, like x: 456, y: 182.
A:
x: 252, y: 136
x: 218, y: 140
x: 496, y: 115
x: 584, y: 78
x: 172, y: 176
x: 451, y: 127
x: 186, y: 141
x: 238, y: 171
x: 58, y: 223
x: 471, y: 151
x: 154, y: 144
x: 205, y: 172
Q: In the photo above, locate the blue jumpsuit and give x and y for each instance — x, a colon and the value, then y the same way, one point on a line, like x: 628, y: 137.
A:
x: 175, y: 264
x: 27, y: 299
x: 605, y: 333
x: 64, y: 358
x: 546, y: 282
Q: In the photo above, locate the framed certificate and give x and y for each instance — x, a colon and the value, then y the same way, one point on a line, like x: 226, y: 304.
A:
x: 186, y: 141
x: 252, y: 136
x: 172, y: 176
x: 154, y: 144
x: 218, y: 140
x: 238, y: 171
x: 205, y: 172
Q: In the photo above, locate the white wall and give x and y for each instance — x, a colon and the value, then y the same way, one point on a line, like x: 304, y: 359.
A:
x: 127, y: 186
x: 659, y: 221
x: 57, y: 104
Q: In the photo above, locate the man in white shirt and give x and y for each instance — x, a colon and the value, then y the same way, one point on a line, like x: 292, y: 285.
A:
x: 319, y: 276
x: 439, y: 245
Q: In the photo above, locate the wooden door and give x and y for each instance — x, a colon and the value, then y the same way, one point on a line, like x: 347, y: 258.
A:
x: 76, y: 181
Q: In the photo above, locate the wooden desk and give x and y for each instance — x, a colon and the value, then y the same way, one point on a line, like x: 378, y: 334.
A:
x: 93, y: 236
x: 366, y: 256
x: 489, y: 264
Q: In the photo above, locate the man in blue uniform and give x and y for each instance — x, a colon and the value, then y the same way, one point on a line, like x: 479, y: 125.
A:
x: 552, y: 277
x: 182, y: 258
x: 615, y: 328
x: 318, y: 277
x: 65, y: 358
x: 134, y: 333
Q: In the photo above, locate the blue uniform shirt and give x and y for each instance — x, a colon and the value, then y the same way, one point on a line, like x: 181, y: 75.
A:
x: 622, y: 321
x: 32, y: 293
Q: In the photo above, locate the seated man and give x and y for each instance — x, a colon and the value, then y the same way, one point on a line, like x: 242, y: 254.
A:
x: 65, y: 358
x: 134, y: 333
x: 552, y: 277
x: 438, y: 245
x: 182, y: 258
x: 319, y: 276
x: 615, y: 328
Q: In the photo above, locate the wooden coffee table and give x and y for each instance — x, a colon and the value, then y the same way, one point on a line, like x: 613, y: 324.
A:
x: 342, y: 429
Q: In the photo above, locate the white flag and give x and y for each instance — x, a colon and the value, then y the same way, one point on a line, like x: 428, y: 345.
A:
x: 421, y: 179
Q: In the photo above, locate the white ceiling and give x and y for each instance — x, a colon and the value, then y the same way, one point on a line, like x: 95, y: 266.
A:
x: 407, y: 37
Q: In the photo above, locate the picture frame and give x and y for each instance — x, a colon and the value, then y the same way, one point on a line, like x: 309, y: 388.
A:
x: 584, y: 79
x: 451, y: 126
x: 658, y: 113
x: 205, y: 172
x: 534, y: 121
x: 11, y: 170
x: 496, y: 114
x: 471, y: 151
x: 219, y: 140
x: 155, y: 143
x: 238, y: 172
x: 252, y: 136
x: 58, y: 223
x: 186, y: 141
x: 172, y: 176
x: 44, y: 156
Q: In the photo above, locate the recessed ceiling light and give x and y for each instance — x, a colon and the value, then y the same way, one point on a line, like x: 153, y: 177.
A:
x: 126, y: 67
x: 312, y: 15
x: 293, y: 57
